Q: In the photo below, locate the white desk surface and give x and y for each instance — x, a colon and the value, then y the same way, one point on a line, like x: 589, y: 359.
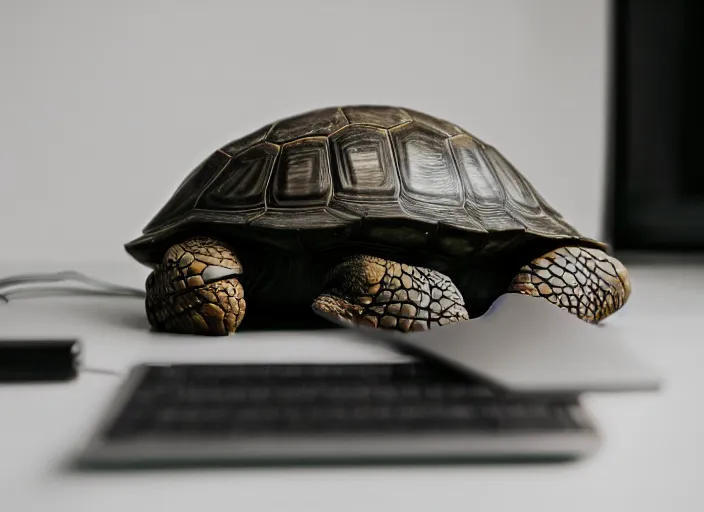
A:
x: 651, y: 460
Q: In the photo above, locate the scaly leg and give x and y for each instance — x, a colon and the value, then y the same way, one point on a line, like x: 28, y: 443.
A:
x: 194, y: 290
x: 381, y: 293
x: 587, y: 282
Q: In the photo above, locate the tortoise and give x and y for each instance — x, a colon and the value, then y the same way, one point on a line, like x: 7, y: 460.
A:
x: 364, y: 214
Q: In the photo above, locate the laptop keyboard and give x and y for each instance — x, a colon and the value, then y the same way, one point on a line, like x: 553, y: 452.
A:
x: 226, y: 400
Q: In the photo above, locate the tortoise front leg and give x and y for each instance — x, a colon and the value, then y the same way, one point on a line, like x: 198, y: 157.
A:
x: 382, y: 293
x: 587, y: 282
x: 194, y: 290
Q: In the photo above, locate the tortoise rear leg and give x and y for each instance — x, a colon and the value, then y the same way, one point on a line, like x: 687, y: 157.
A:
x: 587, y: 282
x: 381, y: 293
x: 194, y: 290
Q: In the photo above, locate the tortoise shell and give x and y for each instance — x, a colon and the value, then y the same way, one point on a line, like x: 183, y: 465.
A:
x: 385, y: 180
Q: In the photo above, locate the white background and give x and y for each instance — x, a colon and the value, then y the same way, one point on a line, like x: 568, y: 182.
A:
x: 106, y: 106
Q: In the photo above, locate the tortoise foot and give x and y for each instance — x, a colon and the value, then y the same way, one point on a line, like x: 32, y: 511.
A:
x: 194, y: 290
x: 340, y: 310
x: 587, y: 282
x: 381, y: 293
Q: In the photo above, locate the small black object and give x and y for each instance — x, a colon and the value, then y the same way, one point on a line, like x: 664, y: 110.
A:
x: 230, y: 413
x: 39, y: 360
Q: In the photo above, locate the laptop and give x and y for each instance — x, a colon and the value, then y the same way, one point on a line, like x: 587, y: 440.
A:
x: 526, y: 344
x: 503, y: 387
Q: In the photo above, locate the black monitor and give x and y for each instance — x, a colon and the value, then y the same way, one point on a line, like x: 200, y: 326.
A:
x: 656, y: 161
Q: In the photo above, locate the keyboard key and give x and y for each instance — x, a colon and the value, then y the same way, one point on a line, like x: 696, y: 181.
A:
x: 202, y: 401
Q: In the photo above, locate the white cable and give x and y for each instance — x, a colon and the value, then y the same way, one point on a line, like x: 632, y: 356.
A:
x: 100, y: 371
x: 40, y: 292
x: 104, y: 289
x: 22, y: 280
